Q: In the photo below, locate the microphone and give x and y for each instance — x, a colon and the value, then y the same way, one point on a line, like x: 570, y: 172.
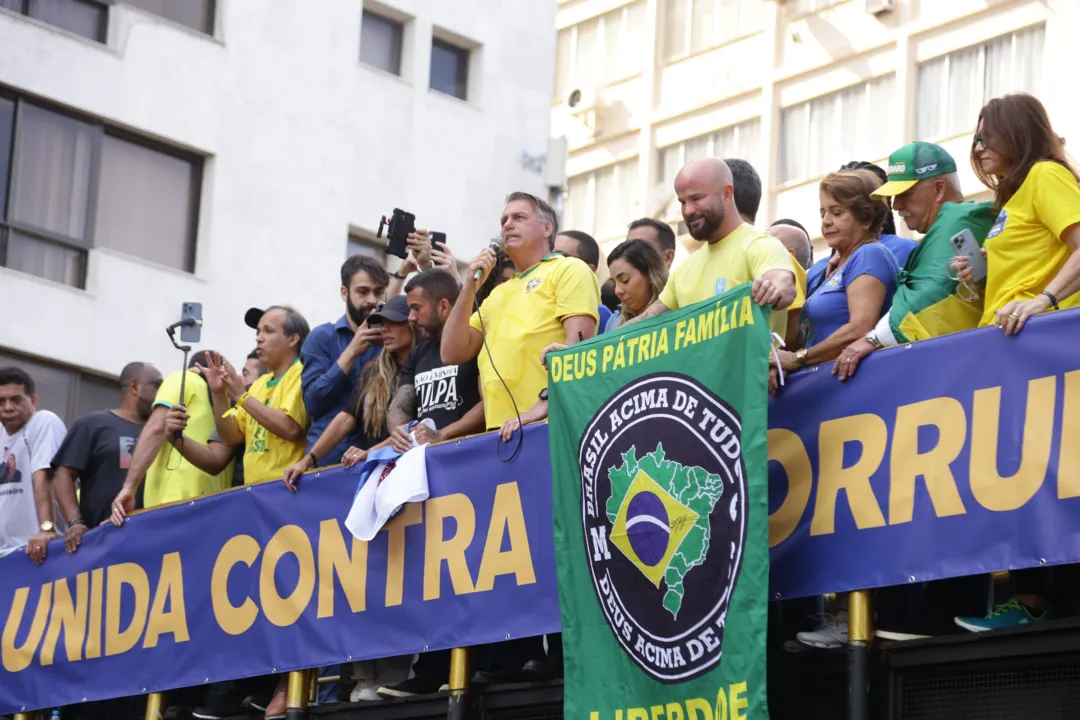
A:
x: 495, y: 245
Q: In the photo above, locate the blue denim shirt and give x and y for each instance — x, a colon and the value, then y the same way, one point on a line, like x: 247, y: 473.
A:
x: 326, y: 388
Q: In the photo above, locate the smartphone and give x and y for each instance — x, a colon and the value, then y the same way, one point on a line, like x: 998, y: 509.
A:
x: 437, y: 238
x: 965, y: 244
x: 191, y: 332
x: 373, y: 321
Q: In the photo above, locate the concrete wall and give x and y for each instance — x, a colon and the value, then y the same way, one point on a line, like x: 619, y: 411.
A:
x: 304, y: 143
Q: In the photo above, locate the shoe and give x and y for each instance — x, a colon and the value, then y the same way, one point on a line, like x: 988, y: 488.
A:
x: 364, y: 693
x: 485, y: 678
x: 898, y: 634
x: 278, y: 705
x: 832, y: 634
x: 1006, y: 615
x: 410, y: 688
x: 213, y: 713
x: 444, y: 688
x: 255, y: 702
x: 541, y: 671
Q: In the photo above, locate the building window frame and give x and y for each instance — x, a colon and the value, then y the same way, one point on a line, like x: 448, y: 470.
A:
x: 29, y: 9
x: 670, y: 55
x: 362, y: 242
x: 462, y: 77
x: 624, y: 176
x: 78, y: 377
x: 211, y: 16
x: 88, y: 242
x: 619, y: 20
x: 398, y: 41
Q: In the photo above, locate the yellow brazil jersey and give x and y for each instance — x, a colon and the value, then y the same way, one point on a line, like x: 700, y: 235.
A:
x: 800, y: 287
x: 743, y: 256
x: 266, y: 455
x: 172, y: 478
x: 1024, y: 250
x: 523, y: 316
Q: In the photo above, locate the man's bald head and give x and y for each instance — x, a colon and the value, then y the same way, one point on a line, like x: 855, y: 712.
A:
x: 796, y: 241
x: 705, y: 191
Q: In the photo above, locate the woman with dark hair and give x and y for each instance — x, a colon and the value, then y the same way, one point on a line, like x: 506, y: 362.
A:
x: 1032, y: 263
x: 639, y: 274
x: 859, y: 283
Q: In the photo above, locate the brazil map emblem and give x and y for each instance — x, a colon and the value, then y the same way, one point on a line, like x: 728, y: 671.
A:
x: 664, y: 506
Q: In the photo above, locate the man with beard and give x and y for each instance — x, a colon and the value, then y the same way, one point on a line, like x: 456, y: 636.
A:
x: 97, y: 453
x: 735, y: 253
x: 334, y: 353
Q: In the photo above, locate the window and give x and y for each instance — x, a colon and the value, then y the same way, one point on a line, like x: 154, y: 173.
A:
x: 380, y: 43
x: 449, y: 69
x: 795, y: 8
x: 604, y: 201
x: 601, y: 50
x: 81, y: 17
x: 68, y: 392
x: 72, y: 184
x: 952, y: 89
x: 691, y: 26
x: 820, y: 135
x: 741, y: 141
x: 195, y: 14
x: 369, y: 247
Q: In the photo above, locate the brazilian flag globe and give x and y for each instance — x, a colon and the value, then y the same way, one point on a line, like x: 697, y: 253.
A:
x: 659, y: 460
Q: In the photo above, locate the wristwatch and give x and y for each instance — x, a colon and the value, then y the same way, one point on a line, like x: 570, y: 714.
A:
x: 48, y: 526
x: 800, y: 357
x: 543, y: 395
x: 398, y: 275
x: 872, y: 338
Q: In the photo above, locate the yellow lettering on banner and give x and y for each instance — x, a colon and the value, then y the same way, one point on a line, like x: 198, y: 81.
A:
x: 590, y: 362
x: 335, y: 561
x: 680, y: 331
x: 721, y: 705
x: 411, y: 514
x: 637, y: 714
x: 907, y: 463
x: 690, y: 337
x: 451, y: 550
x: 93, y: 631
x: 609, y: 353
x: 620, y: 357
x: 661, y: 343
x: 704, y: 327
x: 747, y: 312
x: 170, y: 589
x: 556, y: 368
x: 657, y: 712
x: 631, y: 346
x: 990, y: 489
x: 1069, y: 454
x: 737, y: 691
x: 700, y: 705
x: 643, y: 349
x: 69, y: 617
x: 17, y: 658
x: 870, y: 432
x: 284, y: 611
x: 786, y: 447
x: 507, y: 513
x: 233, y: 619
x: 674, y: 711
x: 117, y: 640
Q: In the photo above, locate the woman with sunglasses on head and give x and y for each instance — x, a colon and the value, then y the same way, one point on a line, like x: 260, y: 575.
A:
x: 1032, y: 263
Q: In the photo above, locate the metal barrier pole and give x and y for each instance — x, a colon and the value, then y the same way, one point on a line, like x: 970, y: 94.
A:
x: 24, y: 716
x: 459, y: 683
x: 296, y: 699
x: 155, y: 706
x: 860, y: 637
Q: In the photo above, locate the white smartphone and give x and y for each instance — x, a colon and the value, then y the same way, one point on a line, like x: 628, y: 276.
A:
x: 965, y: 244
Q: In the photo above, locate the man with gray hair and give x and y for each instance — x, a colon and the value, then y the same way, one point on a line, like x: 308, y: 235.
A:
x: 551, y: 299
x: 925, y: 188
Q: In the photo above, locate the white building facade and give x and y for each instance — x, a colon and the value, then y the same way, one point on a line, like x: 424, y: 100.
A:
x: 797, y: 87
x: 233, y: 153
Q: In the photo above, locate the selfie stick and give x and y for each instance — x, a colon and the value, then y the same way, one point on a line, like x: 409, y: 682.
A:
x: 171, y: 331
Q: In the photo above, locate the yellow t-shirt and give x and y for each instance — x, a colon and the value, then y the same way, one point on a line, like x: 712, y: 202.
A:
x: 172, y: 478
x: 1024, y: 250
x: 743, y: 256
x: 800, y: 287
x: 523, y: 316
x: 266, y: 455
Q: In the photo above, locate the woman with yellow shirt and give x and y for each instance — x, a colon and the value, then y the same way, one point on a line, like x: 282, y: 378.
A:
x: 1032, y: 263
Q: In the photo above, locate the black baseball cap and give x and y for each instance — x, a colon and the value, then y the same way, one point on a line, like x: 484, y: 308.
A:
x: 396, y: 310
x: 252, y: 317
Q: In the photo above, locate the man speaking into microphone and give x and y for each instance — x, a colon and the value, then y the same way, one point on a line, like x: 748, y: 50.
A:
x: 550, y: 299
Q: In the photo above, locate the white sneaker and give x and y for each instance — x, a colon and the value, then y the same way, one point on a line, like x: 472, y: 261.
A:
x: 832, y: 634
x: 364, y: 693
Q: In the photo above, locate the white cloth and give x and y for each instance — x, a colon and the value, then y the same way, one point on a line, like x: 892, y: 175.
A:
x: 30, y: 449
x: 388, y: 481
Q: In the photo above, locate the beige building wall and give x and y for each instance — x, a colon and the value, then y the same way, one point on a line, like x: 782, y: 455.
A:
x: 797, y: 87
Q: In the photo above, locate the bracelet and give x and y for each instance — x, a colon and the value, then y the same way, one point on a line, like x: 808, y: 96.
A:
x: 398, y: 275
x: 314, y: 460
x: 240, y: 400
x: 77, y: 521
x: 1053, y: 300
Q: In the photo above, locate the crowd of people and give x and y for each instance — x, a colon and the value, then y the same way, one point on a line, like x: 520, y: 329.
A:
x: 426, y: 355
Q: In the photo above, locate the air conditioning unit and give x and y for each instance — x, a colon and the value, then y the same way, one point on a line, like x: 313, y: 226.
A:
x: 880, y: 7
x: 582, y: 101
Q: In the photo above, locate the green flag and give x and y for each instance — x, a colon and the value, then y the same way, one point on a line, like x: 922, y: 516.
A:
x: 659, y: 463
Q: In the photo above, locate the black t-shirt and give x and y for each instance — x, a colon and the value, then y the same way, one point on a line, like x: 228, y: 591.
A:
x: 99, y: 446
x: 444, y: 393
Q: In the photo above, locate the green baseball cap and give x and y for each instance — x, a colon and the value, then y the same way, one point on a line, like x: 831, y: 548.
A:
x: 912, y: 163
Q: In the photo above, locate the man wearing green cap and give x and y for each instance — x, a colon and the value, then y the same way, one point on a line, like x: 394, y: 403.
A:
x: 926, y: 193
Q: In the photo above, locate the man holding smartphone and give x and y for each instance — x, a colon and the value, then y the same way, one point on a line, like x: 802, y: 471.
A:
x: 929, y: 302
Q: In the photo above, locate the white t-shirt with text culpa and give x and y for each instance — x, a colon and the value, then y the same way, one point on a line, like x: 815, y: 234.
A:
x: 21, y: 455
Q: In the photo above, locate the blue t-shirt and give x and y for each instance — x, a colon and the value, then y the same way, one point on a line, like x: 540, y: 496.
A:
x: 900, y: 247
x: 605, y: 315
x: 826, y: 310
